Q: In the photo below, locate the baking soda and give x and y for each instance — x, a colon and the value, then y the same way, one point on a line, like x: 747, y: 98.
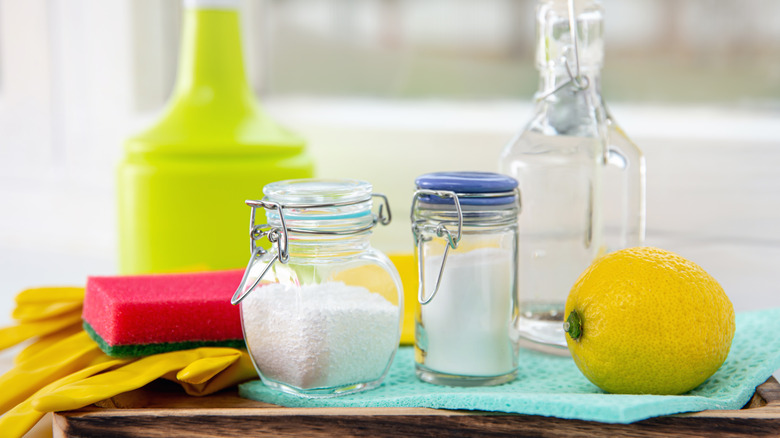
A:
x: 467, y: 325
x: 320, y: 336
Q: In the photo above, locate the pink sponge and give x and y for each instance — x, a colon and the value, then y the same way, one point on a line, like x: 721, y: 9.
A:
x: 149, y: 314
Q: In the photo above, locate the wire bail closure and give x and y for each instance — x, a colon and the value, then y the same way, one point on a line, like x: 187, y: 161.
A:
x: 419, y: 229
x: 440, y: 230
x: 576, y: 78
x: 278, y: 236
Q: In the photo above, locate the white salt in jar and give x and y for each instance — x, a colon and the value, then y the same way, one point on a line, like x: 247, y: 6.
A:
x: 321, y: 310
x: 465, y: 230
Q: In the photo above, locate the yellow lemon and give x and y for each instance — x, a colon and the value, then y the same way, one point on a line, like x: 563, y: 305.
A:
x: 647, y: 321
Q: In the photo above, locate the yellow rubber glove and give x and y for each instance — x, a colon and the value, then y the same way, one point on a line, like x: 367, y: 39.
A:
x: 199, y: 379
x: 204, y: 369
x: 200, y: 372
x: 135, y: 375
x: 42, y: 295
x: 22, y: 418
x: 43, y: 311
x: 44, y: 342
x: 10, y: 336
x: 72, y: 354
x: 62, y: 368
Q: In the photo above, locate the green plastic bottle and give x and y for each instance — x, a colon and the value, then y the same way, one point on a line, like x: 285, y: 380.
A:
x: 183, y: 182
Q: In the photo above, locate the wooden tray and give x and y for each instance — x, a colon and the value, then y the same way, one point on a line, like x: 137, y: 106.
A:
x: 163, y: 410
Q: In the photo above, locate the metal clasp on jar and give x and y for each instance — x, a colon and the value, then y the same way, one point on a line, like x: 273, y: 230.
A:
x: 278, y: 235
x: 420, y: 228
x: 418, y: 231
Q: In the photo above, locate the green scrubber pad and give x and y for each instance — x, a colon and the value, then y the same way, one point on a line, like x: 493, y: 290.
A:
x: 137, y: 350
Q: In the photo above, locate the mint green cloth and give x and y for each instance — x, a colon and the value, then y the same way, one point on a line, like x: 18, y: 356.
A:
x: 553, y: 386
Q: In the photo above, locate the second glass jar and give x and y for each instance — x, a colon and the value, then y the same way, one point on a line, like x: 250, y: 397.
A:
x: 465, y: 230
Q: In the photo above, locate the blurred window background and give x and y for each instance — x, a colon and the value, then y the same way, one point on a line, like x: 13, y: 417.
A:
x: 76, y: 76
x: 658, y: 51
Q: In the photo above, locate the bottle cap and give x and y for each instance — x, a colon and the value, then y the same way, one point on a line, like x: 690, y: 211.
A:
x: 473, y: 188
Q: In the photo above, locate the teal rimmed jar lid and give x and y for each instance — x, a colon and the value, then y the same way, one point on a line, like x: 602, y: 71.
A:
x: 311, y: 205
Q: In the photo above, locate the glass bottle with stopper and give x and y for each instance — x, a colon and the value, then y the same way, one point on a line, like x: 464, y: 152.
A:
x: 583, y: 179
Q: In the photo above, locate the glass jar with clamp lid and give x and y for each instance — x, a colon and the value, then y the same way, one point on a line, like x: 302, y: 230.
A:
x: 321, y: 309
x: 465, y: 230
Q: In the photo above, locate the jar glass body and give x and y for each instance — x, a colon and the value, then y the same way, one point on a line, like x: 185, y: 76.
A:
x: 465, y: 335
x: 327, y: 321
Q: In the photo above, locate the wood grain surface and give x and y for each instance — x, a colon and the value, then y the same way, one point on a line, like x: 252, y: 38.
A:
x: 162, y: 410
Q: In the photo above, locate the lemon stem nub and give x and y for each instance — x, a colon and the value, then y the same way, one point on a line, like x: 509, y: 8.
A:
x: 573, y: 325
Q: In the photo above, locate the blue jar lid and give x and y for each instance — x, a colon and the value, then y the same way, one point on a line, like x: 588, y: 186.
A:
x: 469, y: 184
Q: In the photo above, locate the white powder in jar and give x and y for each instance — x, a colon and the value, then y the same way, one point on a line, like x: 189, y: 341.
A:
x: 467, y: 325
x: 321, y: 335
